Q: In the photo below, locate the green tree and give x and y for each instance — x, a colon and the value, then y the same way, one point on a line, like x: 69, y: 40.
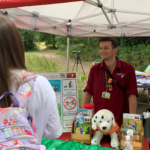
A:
x: 48, y: 38
x: 29, y: 39
x: 132, y: 41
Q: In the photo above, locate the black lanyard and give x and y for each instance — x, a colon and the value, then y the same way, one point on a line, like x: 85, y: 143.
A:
x: 107, y: 84
x: 115, y: 81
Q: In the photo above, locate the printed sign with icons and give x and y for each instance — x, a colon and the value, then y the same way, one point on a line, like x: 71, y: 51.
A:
x: 56, y: 85
x: 65, y: 87
x: 69, y: 104
x: 69, y: 86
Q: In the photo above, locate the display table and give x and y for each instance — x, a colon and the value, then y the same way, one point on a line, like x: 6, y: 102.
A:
x: 145, y: 86
x: 104, y: 143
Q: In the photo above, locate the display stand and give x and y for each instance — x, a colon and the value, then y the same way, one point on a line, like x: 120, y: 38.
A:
x: 138, y: 144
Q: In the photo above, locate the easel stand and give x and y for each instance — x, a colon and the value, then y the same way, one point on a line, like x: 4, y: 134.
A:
x: 78, y: 60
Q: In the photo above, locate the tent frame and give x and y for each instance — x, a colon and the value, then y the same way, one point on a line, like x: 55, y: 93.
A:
x: 90, y: 28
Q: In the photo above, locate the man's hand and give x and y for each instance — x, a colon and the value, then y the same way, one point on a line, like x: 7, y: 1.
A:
x: 132, y: 104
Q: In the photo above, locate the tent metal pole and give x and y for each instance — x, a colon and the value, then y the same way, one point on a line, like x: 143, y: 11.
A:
x: 107, y: 33
x: 137, y: 21
x: 92, y: 24
x: 85, y: 17
x: 95, y: 4
x: 52, y: 25
x: 97, y: 31
x: 9, y: 14
x: 146, y: 31
x: 53, y: 18
x: 90, y: 29
x: 80, y: 10
x: 132, y: 12
x: 101, y: 6
x: 61, y: 31
x: 118, y: 22
x: 112, y: 7
x: 68, y: 45
x: 134, y: 26
x: 20, y: 14
x: 83, y: 33
x: 91, y: 2
x: 21, y: 21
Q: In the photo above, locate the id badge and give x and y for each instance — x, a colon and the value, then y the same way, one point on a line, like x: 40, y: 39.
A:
x: 106, y: 95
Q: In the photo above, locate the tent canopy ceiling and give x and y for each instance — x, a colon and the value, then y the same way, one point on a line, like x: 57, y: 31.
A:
x: 89, y: 18
x: 20, y: 3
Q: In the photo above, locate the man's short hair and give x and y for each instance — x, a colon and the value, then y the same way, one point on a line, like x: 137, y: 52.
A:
x: 112, y: 40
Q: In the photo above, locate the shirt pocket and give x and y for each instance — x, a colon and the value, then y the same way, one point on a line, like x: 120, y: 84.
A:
x: 121, y: 81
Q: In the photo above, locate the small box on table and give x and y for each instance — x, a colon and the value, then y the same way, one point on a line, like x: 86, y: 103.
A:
x: 85, y: 138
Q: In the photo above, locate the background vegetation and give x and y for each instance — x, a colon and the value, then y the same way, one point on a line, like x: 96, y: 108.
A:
x: 39, y: 64
x: 134, y: 50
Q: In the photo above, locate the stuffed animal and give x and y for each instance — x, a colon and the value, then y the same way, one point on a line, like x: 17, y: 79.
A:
x: 104, y: 124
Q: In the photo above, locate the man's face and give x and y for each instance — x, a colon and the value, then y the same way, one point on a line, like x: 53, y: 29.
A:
x: 106, y: 51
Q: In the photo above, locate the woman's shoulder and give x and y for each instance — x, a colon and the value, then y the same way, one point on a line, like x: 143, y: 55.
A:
x: 42, y: 84
x: 41, y: 79
x: 43, y: 92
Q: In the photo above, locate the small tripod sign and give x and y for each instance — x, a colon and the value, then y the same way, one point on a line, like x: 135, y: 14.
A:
x: 77, y: 61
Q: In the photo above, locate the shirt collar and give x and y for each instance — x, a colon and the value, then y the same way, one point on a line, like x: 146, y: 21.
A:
x: 118, y: 65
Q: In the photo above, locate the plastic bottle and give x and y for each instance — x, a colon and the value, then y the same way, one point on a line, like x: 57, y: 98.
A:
x: 128, y: 145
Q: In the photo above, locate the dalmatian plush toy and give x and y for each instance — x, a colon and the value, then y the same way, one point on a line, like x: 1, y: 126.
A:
x: 104, y: 123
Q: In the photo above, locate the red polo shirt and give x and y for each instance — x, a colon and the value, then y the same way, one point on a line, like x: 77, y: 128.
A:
x: 124, y: 74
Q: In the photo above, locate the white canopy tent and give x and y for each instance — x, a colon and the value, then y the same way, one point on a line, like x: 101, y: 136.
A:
x: 89, y: 18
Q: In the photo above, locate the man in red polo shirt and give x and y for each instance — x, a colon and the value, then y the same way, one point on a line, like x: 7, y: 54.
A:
x: 113, y: 98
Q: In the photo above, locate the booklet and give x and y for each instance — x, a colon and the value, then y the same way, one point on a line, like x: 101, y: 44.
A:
x: 133, y: 121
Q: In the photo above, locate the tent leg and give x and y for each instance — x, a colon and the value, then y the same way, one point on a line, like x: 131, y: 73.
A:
x: 68, y: 44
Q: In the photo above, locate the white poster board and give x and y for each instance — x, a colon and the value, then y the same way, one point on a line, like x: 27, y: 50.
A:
x: 94, y: 63
x: 66, y: 90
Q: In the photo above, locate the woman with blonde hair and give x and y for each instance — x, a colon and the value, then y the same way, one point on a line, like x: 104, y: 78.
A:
x: 42, y: 105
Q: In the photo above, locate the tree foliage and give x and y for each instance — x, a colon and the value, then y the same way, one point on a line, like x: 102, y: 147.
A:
x: 86, y: 45
x: 29, y: 39
x: 132, y: 41
x: 48, y: 39
x: 134, y: 50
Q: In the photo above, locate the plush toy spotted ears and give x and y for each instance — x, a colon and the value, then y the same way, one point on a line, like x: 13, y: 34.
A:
x: 94, y: 124
x: 97, y: 116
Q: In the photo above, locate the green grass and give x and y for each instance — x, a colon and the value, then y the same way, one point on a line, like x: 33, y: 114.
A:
x: 32, y: 52
x: 38, y: 51
x: 36, y: 64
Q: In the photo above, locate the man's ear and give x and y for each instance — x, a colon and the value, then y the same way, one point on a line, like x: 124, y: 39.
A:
x: 94, y: 124
x: 115, y: 50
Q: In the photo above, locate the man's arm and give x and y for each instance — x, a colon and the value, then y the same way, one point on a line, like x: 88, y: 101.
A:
x: 132, y: 104
x: 131, y: 90
x: 86, y: 99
